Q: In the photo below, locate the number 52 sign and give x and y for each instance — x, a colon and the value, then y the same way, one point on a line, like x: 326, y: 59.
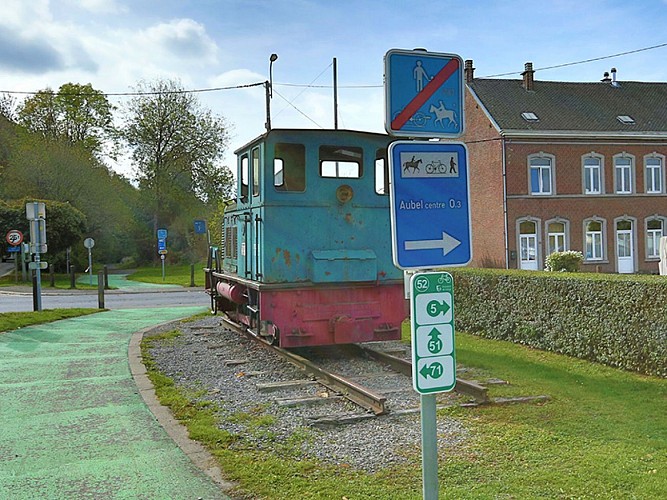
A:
x: 432, y: 327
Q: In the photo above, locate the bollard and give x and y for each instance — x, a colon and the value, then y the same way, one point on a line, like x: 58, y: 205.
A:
x: 72, y: 276
x: 106, y: 277
x: 100, y: 289
x: 35, y: 300
x: 52, y: 277
x: 192, y: 275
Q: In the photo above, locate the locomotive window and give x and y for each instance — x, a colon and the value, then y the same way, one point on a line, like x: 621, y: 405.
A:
x: 341, y: 161
x: 289, y: 167
x: 244, y: 177
x: 381, y: 172
x: 255, y: 172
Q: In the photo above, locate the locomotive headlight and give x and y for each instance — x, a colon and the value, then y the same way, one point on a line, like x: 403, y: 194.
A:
x: 344, y: 193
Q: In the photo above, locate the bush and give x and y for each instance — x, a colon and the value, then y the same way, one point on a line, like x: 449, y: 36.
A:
x: 616, y: 320
x: 569, y: 261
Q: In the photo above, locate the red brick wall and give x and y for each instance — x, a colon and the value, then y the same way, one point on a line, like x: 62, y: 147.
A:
x: 486, y: 187
x: 570, y: 202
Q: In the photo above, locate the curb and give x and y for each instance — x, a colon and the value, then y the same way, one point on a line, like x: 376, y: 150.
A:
x: 199, y: 455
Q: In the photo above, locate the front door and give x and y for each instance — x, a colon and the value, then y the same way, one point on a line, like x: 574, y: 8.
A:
x: 624, y: 247
x: 528, y: 246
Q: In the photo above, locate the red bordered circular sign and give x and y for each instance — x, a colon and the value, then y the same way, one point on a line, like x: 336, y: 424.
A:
x: 14, y: 237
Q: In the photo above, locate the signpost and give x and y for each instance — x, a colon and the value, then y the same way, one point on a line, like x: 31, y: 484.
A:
x: 36, y: 214
x: 430, y: 204
x: 162, y: 247
x: 89, y: 243
x: 423, y: 94
x: 430, y: 218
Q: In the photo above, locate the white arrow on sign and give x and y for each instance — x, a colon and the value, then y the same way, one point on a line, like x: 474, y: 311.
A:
x: 447, y: 243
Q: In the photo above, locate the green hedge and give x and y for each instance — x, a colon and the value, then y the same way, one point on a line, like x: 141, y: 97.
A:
x: 611, y: 319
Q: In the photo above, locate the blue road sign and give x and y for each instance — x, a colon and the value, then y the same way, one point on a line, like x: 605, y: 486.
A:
x: 200, y: 227
x: 430, y: 204
x: 161, y: 234
x: 423, y: 94
x: 161, y: 246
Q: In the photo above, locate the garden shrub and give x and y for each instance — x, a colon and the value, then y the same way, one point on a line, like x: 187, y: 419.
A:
x: 569, y: 261
x: 616, y: 320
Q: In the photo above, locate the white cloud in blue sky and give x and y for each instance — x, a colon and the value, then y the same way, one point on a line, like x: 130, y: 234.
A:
x: 114, y: 44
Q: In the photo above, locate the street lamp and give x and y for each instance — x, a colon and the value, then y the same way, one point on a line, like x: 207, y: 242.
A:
x: 269, y: 91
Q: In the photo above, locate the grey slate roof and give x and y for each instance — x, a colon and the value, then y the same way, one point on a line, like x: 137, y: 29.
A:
x: 573, y: 106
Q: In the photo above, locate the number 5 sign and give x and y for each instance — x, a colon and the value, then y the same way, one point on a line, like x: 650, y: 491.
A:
x: 14, y: 237
x: 432, y: 325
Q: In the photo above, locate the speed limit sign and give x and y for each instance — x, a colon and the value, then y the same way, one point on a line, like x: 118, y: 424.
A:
x: 14, y: 237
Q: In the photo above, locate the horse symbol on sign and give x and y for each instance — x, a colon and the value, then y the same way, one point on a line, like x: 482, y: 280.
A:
x: 442, y: 114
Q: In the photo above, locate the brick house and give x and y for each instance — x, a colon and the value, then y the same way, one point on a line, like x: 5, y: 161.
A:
x: 567, y: 166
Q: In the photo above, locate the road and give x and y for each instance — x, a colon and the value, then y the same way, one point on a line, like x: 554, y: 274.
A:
x: 127, y: 296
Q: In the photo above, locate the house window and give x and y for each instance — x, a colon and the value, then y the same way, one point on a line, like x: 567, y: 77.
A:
x: 556, y: 236
x: 594, y: 247
x: 592, y: 175
x: 540, y: 175
x: 623, y: 174
x: 654, y: 174
x: 654, y: 231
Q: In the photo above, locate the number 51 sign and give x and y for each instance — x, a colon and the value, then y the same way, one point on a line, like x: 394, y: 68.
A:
x: 432, y: 326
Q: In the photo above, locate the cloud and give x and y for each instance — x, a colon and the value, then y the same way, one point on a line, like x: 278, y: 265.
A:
x: 183, y: 38
x: 101, y: 6
x: 28, y: 55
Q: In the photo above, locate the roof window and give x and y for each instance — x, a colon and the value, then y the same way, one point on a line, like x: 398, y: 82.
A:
x: 626, y: 120
x: 530, y: 117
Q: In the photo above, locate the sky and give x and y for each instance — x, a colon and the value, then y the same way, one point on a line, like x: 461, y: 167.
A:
x: 226, y: 44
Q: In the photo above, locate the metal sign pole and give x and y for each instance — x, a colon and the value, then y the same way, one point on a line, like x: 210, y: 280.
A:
x: 429, y: 447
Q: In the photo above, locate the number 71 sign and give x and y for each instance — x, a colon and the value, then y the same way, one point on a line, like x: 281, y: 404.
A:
x: 432, y: 326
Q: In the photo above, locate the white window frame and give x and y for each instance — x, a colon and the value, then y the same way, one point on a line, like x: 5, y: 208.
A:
x: 564, y: 236
x: 536, y: 235
x: 550, y: 169
x: 620, y: 186
x: 587, y: 174
x: 655, y: 174
x: 595, y: 235
x: 654, y: 235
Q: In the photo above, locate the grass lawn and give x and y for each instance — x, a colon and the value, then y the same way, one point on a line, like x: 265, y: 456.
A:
x: 175, y: 274
x: 603, y: 434
x: 14, y: 320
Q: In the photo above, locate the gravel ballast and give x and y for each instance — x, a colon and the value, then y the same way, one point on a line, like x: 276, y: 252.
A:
x: 226, y: 367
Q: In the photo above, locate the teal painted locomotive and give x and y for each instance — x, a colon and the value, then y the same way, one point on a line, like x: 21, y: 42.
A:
x: 306, y: 253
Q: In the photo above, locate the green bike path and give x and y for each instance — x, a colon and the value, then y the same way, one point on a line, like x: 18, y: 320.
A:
x: 72, y: 422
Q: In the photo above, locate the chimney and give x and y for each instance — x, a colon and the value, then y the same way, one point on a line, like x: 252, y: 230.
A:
x: 614, y: 83
x: 528, y: 74
x: 606, y: 78
x: 468, y: 71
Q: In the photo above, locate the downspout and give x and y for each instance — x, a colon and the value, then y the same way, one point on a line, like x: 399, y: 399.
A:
x: 507, y: 254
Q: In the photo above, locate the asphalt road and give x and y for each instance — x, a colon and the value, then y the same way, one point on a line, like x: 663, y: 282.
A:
x: 129, y: 295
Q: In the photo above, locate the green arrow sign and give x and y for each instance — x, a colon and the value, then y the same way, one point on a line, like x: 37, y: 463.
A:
x: 432, y: 322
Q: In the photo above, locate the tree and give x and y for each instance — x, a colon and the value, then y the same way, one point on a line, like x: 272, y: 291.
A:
x: 78, y: 113
x: 176, y: 145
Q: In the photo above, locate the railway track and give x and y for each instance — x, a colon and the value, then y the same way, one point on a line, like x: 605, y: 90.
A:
x: 372, y: 401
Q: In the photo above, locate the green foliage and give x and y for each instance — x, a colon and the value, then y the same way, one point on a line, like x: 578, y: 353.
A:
x: 78, y: 113
x: 620, y: 321
x: 175, y: 274
x: 65, y: 225
x: 569, y: 261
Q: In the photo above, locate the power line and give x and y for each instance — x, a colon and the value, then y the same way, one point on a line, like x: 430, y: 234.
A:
x: 584, y: 61
x: 257, y: 84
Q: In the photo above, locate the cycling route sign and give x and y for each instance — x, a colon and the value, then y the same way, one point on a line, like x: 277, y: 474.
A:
x: 432, y: 329
x: 423, y: 94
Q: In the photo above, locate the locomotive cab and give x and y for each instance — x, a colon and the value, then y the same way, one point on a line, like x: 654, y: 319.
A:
x: 306, y: 256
